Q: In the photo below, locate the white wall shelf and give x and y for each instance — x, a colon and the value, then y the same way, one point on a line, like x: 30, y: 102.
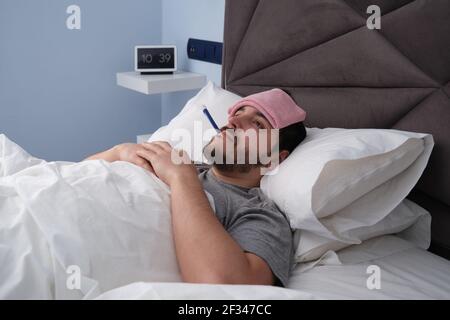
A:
x: 160, y: 83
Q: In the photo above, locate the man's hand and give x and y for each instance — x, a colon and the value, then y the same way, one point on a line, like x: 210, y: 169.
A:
x: 130, y: 152
x: 168, y: 164
x: 124, y: 152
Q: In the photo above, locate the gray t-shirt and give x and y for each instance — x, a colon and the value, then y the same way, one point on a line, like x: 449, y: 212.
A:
x: 254, y: 222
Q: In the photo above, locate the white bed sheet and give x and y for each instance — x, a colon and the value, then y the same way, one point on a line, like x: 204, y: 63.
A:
x: 406, y: 272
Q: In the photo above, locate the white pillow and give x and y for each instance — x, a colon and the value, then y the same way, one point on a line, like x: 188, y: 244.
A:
x: 408, y: 217
x: 333, y: 168
x: 192, y: 121
x: 340, y: 183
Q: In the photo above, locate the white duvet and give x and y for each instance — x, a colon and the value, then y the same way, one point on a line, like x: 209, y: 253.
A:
x: 110, y: 221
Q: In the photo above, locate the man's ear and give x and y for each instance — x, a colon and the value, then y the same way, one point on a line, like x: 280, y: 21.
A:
x: 283, y: 155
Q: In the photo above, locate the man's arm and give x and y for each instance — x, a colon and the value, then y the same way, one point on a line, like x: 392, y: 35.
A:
x: 123, y: 152
x: 205, y: 251
x: 109, y: 155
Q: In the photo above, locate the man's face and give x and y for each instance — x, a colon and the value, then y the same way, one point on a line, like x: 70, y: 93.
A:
x: 247, y: 133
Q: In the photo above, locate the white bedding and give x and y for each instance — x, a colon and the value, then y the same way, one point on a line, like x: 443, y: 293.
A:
x: 406, y: 272
x: 113, y: 222
x: 109, y: 220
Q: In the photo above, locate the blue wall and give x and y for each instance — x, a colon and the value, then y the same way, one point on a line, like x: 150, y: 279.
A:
x: 184, y: 19
x: 58, y: 94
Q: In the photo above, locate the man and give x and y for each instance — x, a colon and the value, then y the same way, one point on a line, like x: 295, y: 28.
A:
x: 247, y: 239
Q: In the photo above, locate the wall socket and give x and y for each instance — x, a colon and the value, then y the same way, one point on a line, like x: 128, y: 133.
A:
x: 204, y: 50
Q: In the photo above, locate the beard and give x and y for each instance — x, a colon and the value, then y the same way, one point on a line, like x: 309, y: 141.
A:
x: 209, y: 151
x: 239, y: 168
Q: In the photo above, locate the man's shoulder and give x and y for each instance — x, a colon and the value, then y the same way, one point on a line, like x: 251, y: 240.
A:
x: 266, y: 204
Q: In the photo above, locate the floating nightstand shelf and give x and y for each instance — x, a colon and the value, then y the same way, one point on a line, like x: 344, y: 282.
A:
x: 160, y: 83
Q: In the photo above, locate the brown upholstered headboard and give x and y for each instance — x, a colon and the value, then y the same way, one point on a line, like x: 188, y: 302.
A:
x: 345, y: 75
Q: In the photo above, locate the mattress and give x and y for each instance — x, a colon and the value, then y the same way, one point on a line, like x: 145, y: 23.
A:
x: 406, y: 271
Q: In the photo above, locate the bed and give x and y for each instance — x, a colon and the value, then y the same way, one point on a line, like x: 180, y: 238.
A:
x: 343, y: 74
x: 347, y: 76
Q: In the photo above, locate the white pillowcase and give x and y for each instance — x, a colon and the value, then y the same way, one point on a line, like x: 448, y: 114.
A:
x: 340, y: 186
x: 334, y: 167
x: 408, y: 217
x: 192, y: 121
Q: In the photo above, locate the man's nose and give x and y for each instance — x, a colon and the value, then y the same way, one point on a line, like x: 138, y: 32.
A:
x: 234, y: 123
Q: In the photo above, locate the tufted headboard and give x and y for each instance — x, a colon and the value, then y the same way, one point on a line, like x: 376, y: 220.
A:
x: 345, y: 75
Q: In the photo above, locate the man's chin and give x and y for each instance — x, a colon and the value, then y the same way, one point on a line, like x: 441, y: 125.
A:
x: 234, y: 167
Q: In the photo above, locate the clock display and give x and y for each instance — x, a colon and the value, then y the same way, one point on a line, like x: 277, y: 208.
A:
x: 155, y: 58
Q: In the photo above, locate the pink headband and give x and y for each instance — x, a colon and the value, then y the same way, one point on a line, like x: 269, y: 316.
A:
x: 276, y: 105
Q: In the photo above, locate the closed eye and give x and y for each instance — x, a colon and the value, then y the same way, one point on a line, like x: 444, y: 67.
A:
x: 258, y: 124
x: 239, y: 110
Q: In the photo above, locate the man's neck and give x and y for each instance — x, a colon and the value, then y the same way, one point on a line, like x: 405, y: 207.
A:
x: 247, y: 180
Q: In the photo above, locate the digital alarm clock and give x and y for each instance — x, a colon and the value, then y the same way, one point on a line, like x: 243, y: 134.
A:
x: 155, y: 59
